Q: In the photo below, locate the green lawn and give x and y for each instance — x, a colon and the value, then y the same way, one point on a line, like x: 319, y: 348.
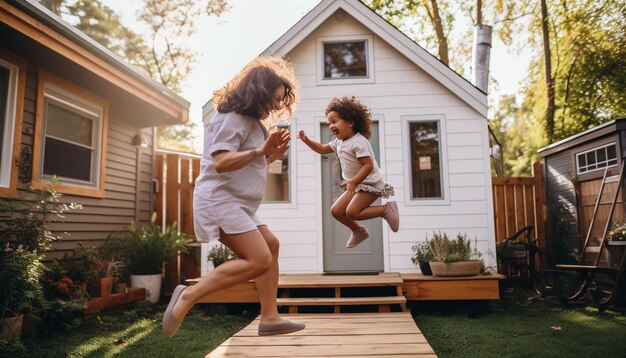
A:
x: 511, y: 328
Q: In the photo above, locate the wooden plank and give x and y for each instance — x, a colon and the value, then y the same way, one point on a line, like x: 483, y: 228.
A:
x: 452, y: 290
x: 520, y: 214
x: 186, y: 192
x: 240, y: 293
x: 158, y: 175
x: 499, y: 211
x: 331, y: 301
x: 511, y: 181
x: 171, y: 190
x: 360, y: 335
x: 317, y: 280
x: 509, y: 198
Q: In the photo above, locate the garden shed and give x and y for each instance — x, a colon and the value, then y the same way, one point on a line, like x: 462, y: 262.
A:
x: 71, y: 108
x: 430, y: 136
x: 574, y: 169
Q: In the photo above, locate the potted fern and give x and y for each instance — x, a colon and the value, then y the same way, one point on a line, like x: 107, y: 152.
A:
x: 458, y: 257
x: 147, y: 249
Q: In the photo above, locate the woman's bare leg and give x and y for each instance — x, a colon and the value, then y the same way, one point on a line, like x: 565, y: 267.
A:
x: 267, y: 283
x: 255, y: 258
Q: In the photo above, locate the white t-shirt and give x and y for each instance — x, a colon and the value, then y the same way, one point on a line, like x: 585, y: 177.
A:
x: 349, y: 151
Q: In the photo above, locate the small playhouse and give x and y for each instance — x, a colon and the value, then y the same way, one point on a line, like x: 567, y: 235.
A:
x: 430, y: 136
x: 574, y: 171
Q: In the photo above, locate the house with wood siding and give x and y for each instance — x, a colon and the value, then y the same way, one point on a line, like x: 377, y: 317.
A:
x: 430, y: 136
x: 72, y: 109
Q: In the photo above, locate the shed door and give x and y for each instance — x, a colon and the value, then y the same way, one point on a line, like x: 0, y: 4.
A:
x: 368, y: 256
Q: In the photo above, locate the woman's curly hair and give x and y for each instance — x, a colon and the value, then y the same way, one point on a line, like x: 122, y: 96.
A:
x: 352, y: 110
x: 251, y: 91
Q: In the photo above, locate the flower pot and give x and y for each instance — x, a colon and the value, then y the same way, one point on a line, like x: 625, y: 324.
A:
x: 152, y: 284
x: 456, y: 269
x: 425, y: 268
x: 12, y: 328
x: 105, y: 286
x: 616, y: 250
x: 121, y: 287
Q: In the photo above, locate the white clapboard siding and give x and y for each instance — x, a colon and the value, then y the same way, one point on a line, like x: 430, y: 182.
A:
x: 406, y: 84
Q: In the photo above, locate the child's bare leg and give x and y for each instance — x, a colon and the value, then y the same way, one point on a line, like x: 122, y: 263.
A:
x: 359, y: 207
x: 338, y: 210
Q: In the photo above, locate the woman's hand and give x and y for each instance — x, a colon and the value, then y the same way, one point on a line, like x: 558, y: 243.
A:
x: 350, y: 187
x: 302, y: 136
x: 276, y: 144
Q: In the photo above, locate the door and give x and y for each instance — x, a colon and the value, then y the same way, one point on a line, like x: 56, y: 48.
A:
x: 368, y: 256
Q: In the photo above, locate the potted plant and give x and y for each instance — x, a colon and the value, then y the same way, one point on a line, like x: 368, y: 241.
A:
x: 220, y: 254
x: 458, y: 257
x: 616, y: 242
x: 422, y: 257
x: 106, y: 265
x: 146, y: 250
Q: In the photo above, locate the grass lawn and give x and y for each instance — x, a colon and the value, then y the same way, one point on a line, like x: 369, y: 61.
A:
x: 512, y: 328
x: 523, y: 329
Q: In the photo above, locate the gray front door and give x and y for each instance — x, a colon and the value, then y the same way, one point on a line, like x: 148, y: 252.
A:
x: 368, y: 256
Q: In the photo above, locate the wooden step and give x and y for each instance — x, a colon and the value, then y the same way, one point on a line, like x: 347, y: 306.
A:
x: 345, y: 301
x: 384, y: 303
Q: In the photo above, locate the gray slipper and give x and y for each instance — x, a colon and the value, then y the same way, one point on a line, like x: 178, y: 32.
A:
x: 280, y: 328
x: 170, y: 325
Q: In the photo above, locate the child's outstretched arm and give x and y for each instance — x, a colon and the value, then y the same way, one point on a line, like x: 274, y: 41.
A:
x: 316, y: 146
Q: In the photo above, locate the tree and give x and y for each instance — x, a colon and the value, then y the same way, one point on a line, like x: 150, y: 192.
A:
x: 159, y: 51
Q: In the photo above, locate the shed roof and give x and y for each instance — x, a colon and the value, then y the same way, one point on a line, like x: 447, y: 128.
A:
x: 583, y: 137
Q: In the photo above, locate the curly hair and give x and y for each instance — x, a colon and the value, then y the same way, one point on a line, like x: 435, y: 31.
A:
x: 352, y: 110
x: 251, y: 91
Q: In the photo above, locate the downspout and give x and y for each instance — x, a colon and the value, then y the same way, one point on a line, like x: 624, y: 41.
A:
x: 480, y: 57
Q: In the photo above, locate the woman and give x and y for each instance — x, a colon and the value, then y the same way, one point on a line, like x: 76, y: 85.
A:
x: 230, y: 187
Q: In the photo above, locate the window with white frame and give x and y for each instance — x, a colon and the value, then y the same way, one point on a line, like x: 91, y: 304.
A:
x: 72, y: 135
x: 596, y: 159
x: 345, y: 59
x: 277, y: 184
x: 8, y: 98
x: 426, y: 171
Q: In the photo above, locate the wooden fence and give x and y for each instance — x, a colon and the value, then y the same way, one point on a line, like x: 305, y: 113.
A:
x: 175, y: 174
x: 518, y: 202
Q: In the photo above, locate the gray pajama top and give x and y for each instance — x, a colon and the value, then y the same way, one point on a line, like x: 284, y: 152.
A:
x: 229, y: 200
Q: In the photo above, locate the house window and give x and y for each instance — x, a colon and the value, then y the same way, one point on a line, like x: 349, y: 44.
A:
x: 12, y: 81
x: 426, y: 171
x: 72, y: 139
x: 277, y: 183
x: 596, y: 159
x: 345, y: 59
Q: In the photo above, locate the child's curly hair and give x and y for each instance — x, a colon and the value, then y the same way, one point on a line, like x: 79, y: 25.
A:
x: 352, y: 110
x: 251, y: 91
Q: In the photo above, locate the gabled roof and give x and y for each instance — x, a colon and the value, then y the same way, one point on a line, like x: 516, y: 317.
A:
x: 470, y: 94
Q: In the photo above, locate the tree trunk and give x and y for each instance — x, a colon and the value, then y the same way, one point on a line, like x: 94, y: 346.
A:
x: 479, y: 12
x: 548, y: 73
x: 433, y: 13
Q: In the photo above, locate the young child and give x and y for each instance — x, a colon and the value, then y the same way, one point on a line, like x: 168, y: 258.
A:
x: 349, y: 120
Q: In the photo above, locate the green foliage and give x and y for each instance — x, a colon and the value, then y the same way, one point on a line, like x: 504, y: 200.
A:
x: 24, y: 238
x: 20, y: 291
x: 617, y: 232
x: 220, y: 254
x: 148, y: 248
x: 446, y: 250
x: 421, y: 252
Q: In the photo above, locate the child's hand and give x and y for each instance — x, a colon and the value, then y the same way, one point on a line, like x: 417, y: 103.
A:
x: 350, y: 187
x: 302, y: 136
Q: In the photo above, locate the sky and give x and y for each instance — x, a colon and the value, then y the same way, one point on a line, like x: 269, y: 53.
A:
x: 226, y: 43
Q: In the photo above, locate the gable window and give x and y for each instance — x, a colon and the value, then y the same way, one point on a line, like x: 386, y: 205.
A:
x: 345, y: 59
x: 596, y: 159
x: 277, y: 184
x: 12, y: 82
x: 426, y: 170
x: 72, y: 132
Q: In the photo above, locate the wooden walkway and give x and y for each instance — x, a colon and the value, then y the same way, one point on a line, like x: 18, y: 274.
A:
x: 391, y: 334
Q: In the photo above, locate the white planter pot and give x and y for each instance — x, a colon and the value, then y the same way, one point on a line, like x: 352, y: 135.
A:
x: 152, y: 284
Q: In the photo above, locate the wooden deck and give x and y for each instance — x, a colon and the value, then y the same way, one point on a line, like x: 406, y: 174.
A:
x: 392, y: 334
